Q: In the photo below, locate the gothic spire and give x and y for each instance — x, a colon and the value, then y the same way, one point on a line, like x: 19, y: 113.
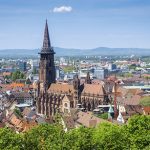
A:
x: 88, y: 79
x: 46, y: 42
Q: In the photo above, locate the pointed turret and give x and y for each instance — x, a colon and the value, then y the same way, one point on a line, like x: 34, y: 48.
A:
x: 76, y: 82
x: 46, y: 42
x: 120, y: 118
x: 88, y: 79
x: 110, y: 112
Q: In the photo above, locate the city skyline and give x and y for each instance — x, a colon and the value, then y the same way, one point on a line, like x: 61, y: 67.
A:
x: 104, y: 23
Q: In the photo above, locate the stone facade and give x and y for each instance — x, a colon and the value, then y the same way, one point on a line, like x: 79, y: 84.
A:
x: 47, y: 67
x: 55, y: 97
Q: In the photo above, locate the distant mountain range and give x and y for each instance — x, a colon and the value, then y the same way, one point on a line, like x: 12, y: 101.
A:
x: 101, y: 51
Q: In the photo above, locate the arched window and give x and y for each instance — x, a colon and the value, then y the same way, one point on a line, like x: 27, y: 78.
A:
x: 65, y: 105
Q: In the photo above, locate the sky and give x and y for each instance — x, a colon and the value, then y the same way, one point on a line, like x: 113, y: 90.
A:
x: 80, y: 24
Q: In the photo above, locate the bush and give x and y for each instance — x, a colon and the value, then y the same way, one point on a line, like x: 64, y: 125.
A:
x: 145, y: 101
x: 103, y: 116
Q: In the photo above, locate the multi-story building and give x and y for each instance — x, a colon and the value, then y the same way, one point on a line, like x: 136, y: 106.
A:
x: 22, y: 65
x: 112, y: 67
x: 100, y: 73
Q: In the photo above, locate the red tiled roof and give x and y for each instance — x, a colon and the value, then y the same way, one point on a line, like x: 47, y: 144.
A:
x: 88, y: 120
x: 147, y: 110
x: 135, y: 100
x: 134, y: 109
x: 88, y: 88
x: 61, y: 88
x: 94, y: 89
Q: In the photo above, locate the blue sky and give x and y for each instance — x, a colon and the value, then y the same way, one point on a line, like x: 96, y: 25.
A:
x: 75, y: 23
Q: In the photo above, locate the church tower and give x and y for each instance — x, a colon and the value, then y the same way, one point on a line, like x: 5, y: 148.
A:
x: 46, y: 66
x: 76, y: 86
x: 88, y: 79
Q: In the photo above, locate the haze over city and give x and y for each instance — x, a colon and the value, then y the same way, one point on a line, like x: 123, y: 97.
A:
x: 75, y: 24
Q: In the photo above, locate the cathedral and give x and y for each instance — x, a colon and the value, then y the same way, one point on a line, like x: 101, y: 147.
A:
x: 62, y: 97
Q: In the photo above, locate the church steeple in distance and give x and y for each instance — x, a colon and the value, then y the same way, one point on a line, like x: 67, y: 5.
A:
x: 47, y: 66
x: 88, y: 79
x: 46, y: 42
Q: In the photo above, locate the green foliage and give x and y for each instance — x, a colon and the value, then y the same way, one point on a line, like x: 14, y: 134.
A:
x: 17, y: 75
x: 127, y: 75
x: 138, y: 130
x: 134, y: 135
x: 68, y: 69
x: 18, y: 112
x: 145, y: 101
x: 103, y: 116
x: 7, y: 77
x: 110, y: 136
x: 58, y: 119
x: 132, y: 67
x: 10, y: 140
x: 147, y: 77
x: 44, y: 137
x: 79, y: 139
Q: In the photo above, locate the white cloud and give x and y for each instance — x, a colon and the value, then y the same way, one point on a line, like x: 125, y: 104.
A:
x: 62, y: 9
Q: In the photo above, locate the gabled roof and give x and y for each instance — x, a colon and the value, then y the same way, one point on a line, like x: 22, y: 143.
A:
x: 22, y: 94
x: 134, y: 100
x: 134, y: 109
x: 69, y: 97
x: 93, y: 89
x: 88, y: 120
x: 14, y: 120
x: 68, y: 89
x: 26, y: 111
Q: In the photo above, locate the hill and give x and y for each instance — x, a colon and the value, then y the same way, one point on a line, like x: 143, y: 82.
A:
x: 76, y: 52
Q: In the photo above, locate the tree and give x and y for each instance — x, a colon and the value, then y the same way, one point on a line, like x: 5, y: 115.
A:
x: 107, y: 136
x: 79, y: 139
x: 7, y: 77
x: 18, y: 112
x: 110, y: 136
x: 21, y: 76
x: 68, y: 69
x: 44, y: 137
x: 103, y: 116
x: 127, y: 75
x: 17, y: 75
x: 10, y: 140
x: 138, y: 130
x: 132, y: 67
